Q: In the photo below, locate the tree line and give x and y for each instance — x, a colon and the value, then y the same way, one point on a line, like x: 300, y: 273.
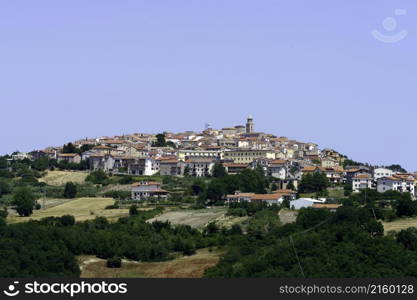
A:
x: 347, y: 244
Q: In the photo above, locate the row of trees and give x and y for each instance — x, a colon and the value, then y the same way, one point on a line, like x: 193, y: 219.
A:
x: 213, y: 191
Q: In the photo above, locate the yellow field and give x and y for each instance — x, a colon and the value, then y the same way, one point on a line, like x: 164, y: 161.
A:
x: 181, y: 267
x: 62, y: 177
x: 81, y: 208
x: 399, y: 224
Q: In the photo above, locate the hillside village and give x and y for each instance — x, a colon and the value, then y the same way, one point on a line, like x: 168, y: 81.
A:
x: 236, y: 148
x: 110, y: 204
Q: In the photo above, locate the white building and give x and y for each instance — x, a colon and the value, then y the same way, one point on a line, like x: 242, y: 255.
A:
x: 239, y: 197
x: 147, y: 189
x: 186, y: 154
x: 402, y: 184
x: 20, y: 156
x: 277, y: 169
x: 361, y: 181
x: 144, y: 166
x: 305, y: 202
x: 200, y: 167
x: 382, y: 172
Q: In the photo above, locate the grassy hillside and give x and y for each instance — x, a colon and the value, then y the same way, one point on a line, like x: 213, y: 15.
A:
x: 400, y: 224
x: 61, y: 177
x: 195, y: 218
x: 181, y: 267
x: 81, y: 208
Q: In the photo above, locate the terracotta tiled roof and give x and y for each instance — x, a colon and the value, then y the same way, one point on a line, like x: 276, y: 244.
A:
x: 362, y: 176
x: 240, y: 195
x: 68, y: 155
x: 276, y: 195
x: 278, y: 162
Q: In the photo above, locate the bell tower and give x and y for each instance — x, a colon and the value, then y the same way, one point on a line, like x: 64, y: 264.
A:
x: 249, y: 124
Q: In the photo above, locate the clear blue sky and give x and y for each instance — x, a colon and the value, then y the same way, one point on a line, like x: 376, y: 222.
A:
x: 306, y: 69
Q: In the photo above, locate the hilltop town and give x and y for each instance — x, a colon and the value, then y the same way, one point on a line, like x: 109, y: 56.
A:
x: 108, y: 206
x: 236, y: 148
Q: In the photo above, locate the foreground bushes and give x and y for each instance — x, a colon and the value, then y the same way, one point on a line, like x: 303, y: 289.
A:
x: 48, y: 248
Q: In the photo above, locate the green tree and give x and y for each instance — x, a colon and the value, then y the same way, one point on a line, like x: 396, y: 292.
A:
x: 70, y: 190
x: 3, y: 162
x: 24, y: 199
x: 69, y: 148
x: 114, y: 262
x: 67, y: 220
x: 97, y: 177
x: 171, y: 144
x: 408, y: 238
x: 187, y: 171
x: 396, y: 168
x: 313, y: 183
x: 215, y: 190
x: 128, y: 179
x: 219, y: 170
x: 198, y: 186
x: 41, y: 164
x: 291, y: 186
x: 84, y: 148
x: 5, y: 187
x: 3, y: 216
x: 309, y: 217
x: 133, y: 210
x: 160, y: 140
x: 406, y: 207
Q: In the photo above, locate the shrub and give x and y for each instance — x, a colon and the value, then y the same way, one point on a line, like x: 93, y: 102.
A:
x: 126, y: 180
x: 114, y: 262
x: 24, y: 199
x: 70, y: 190
x: 113, y: 206
x: 238, y: 212
x: 120, y: 195
x: 133, y: 210
x: 97, y: 177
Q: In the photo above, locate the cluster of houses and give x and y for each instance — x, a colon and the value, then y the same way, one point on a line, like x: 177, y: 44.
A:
x: 237, y: 148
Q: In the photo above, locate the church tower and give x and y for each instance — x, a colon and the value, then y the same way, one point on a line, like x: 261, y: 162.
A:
x: 249, y: 124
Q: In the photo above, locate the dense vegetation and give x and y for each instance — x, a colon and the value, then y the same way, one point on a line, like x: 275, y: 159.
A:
x: 47, y: 248
x: 386, y: 206
x: 314, y: 183
x: 349, y: 243
x: 221, y: 184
